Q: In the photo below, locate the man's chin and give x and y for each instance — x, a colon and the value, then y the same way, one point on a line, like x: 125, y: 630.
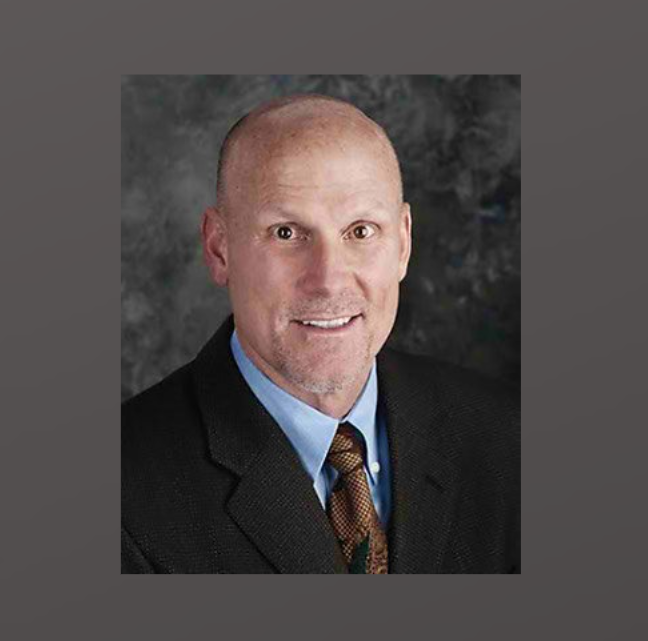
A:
x: 322, y: 387
x: 325, y: 372
x: 325, y: 382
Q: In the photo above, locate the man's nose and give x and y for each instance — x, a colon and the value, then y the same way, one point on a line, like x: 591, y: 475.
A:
x: 326, y: 267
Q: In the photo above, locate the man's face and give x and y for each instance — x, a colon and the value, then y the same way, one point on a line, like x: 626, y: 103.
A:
x: 318, y: 240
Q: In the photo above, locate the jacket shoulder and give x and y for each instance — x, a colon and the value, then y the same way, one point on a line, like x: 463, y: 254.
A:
x: 451, y: 384
x: 169, y: 395
x: 468, y: 415
x: 163, y: 420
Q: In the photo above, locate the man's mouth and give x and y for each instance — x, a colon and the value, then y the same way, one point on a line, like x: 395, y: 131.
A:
x: 328, y: 323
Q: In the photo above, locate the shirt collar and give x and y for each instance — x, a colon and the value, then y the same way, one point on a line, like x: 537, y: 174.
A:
x: 310, y: 431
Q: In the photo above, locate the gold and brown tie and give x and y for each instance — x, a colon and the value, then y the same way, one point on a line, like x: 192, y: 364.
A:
x: 351, y: 509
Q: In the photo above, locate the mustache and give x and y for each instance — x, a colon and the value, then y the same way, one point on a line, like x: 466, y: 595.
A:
x: 328, y: 308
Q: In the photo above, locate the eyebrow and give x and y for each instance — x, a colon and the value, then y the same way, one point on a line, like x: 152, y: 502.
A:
x: 278, y: 212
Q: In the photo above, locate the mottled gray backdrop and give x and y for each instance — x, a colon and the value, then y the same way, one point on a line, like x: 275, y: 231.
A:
x: 458, y: 140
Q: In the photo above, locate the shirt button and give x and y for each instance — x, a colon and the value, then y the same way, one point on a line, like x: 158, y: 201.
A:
x: 375, y: 467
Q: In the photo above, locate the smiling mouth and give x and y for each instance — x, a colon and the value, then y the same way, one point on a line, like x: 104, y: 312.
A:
x: 329, y: 323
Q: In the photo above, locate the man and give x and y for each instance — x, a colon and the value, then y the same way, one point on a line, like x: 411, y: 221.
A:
x: 294, y: 442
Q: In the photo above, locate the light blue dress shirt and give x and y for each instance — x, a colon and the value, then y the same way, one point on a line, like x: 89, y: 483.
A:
x: 311, y: 432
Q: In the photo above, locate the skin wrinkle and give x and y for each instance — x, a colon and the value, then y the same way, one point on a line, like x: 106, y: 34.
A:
x: 324, y: 167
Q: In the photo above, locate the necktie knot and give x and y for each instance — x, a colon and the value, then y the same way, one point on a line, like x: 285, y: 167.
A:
x: 346, y: 452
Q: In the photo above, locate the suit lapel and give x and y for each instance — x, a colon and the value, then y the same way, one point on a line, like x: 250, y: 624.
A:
x: 274, y: 503
x: 276, y: 506
x: 424, y: 483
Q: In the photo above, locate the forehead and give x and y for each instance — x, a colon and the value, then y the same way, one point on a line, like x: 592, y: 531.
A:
x: 329, y: 185
x: 333, y: 167
x: 339, y: 172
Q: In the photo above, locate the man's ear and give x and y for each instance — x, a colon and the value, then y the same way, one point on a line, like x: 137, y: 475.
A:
x: 214, y: 241
x: 405, y: 233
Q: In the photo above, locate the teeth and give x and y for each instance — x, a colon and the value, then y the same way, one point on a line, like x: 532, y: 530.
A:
x: 328, y: 324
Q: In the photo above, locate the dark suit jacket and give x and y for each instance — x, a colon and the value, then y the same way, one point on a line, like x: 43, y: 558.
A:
x: 210, y: 484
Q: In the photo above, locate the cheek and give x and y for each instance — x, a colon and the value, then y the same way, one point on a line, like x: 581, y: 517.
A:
x: 382, y: 276
x: 259, y: 281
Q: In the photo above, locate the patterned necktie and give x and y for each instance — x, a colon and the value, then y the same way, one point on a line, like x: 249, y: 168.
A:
x: 351, y: 509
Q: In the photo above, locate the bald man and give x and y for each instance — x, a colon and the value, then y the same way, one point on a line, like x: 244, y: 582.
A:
x: 295, y: 442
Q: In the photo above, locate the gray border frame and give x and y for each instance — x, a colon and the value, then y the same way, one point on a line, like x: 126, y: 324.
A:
x: 584, y: 314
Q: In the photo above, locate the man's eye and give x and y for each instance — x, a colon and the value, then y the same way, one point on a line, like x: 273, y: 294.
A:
x: 284, y: 232
x: 362, y: 232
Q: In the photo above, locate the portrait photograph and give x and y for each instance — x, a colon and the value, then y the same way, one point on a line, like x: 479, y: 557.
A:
x: 321, y: 320
x: 320, y: 324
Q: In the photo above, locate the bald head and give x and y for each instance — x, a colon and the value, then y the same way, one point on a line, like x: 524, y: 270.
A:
x: 294, y: 125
